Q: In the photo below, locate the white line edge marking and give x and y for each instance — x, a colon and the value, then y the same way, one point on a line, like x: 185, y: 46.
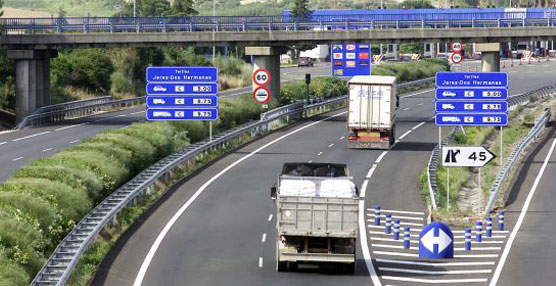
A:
x: 150, y: 254
x: 401, y: 212
x: 142, y: 111
x: 511, y: 239
x: 263, y: 239
x: 310, y: 162
x: 443, y: 281
x: 260, y: 262
x: 444, y: 264
x: 270, y: 217
x: 405, y: 134
x: 46, y: 150
x: 418, y: 125
x: 444, y: 272
x: 407, y: 108
x: 74, y: 141
x: 31, y: 136
x: 2, y: 143
x: 380, y: 157
x: 17, y: 159
x: 414, y: 94
x: 71, y: 126
x: 398, y: 217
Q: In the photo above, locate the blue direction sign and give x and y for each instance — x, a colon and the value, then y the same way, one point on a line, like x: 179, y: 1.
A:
x: 471, y: 94
x: 467, y: 119
x: 351, y: 59
x: 182, y: 74
x: 471, y: 106
x: 436, y: 241
x: 182, y: 88
x: 182, y: 101
x: 182, y: 113
x: 471, y: 79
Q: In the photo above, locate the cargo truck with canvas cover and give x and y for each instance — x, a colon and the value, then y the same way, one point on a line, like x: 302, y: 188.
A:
x: 372, y: 108
x: 317, y: 207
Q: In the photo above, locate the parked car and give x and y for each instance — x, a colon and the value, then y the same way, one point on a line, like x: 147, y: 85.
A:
x: 305, y: 62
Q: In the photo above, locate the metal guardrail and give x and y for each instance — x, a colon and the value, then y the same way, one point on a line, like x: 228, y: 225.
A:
x: 443, y: 20
x: 73, y: 110
x: 73, y: 104
x: 416, y: 82
x: 513, y: 101
x: 58, y: 268
x: 506, y: 170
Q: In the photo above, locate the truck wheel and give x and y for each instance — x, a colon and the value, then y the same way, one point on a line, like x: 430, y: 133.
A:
x: 282, y: 266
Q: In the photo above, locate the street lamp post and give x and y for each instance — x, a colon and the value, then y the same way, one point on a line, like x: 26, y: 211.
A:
x: 213, y: 17
x: 134, y: 8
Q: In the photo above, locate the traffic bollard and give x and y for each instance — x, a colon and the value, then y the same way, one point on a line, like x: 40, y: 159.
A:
x: 406, y: 238
x: 377, y: 215
x: 489, y: 227
x: 396, y: 229
x: 501, y: 220
x: 467, y: 239
x: 479, y: 231
x: 388, y: 224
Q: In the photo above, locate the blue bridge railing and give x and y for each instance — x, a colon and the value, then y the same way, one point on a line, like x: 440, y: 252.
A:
x: 275, y: 22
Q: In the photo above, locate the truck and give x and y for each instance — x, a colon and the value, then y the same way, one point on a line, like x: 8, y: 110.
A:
x: 317, y: 212
x: 372, y: 105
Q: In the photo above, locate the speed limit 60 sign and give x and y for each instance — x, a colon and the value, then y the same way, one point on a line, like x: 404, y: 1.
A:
x: 261, y: 94
x: 261, y: 77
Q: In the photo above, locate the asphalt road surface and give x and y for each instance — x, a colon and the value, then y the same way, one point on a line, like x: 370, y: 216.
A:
x: 222, y: 229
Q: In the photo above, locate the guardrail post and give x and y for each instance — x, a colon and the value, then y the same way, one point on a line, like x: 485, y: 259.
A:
x: 243, y: 25
x: 473, y: 23
x: 397, y: 24
x: 138, y: 25
x: 111, y: 27
x: 498, y: 20
x: 422, y: 23
x: 406, y: 237
x: 164, y: 25
x: 501, y: 220
x: 377, y: 215
x: 523, y: 22
x: 396, y: 229
x: 270, y: 26
x: 388, y: 224
x: 58, y: 26
x: 479, y: 231
x: 467, y: 239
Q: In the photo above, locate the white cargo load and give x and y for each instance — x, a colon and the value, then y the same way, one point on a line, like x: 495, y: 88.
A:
x: 372, y: 102
x: 318, y: 187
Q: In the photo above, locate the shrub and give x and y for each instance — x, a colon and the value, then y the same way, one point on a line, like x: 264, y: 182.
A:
x: 159, y: 135
x: 11, y: 272
x: 90, y: 69
x: 117, y: 153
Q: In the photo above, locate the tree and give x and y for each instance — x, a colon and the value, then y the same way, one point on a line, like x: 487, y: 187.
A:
x: 416, y: 4
x: 301, y: 9
x: 147, y: 8
x: 183, y: 8
x: 1, y: 10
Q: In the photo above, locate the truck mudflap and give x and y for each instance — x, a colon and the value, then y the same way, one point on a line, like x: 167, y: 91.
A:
x: 316, y: 257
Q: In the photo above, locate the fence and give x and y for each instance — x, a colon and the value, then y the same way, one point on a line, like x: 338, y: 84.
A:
x: 514, y: 101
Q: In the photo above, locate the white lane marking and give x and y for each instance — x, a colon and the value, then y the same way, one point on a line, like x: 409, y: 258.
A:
x: 416, y: 241
x: 74, y: 141
x: 382, y: 227
x: 31, y: 136
x: 475, y: 255
x: 437, y: 272
x: 477, y: 248
x: 142, y: 111
x: 378, y: 245
x: 260, y: 262
x: 407, y: 108
x: 380, y: 157
x: 2, y: 143
x: 435, y: 281
x: 310, y: 161
x: 511, y: 239
x: 493, y: 231
x: 320, y: 153
x: 402, y: 223
x: 17, y: 159
x: 418, y: 125
x: 396, y: 253
x: 150, y: 254
x: 121, y: 115
x: 71, y: 126
x: 419, y: 104
x: 399, y: 212
x: 405, y: 134
x: 46, y: 150
x: 399, y: 217
x: 263, y: 239
x: 391, y: 239
x: 270, y: 217
x: 342, y: 137
x: 330, y: 146
x: 414, y: 94
x: 439, y: 264
x: 382, y: 233
x: 364, y: 245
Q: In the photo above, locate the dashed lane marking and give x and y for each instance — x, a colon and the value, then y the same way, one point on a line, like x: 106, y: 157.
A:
x: 71, y: 126
x: 74, y: 141
x: 17, y: 159
x: 31, y: 136
x: 320, y: 153
x: 330, y: 146
x: 417, y: 93
x: 342, y: 137
x: 46, y: 150
x: 407, y: 108
x: 142, y: 111
x: 260, y: 262
x: 263, y: 239
x: 270, y: 217
x: 2, y: 143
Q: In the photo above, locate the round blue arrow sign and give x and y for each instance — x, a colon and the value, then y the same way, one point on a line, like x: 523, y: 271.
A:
x: 436, y: 241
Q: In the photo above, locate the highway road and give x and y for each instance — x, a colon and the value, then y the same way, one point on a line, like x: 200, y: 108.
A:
x: 217, y: 227
x: 531, y: 249
x: 19, y: 147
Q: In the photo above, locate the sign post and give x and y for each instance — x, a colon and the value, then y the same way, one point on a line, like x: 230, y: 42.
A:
x: 182, y: 93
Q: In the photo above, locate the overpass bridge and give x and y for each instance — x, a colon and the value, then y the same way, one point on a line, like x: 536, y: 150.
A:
x: 32, y: 42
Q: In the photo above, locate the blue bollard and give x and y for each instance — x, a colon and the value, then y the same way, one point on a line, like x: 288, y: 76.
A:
x: 467, y: 239
x: 479, y: 231
x: 377, y: 215
x: 501, y: 220
x: 397, y: 229
x: 406, y: 238
x: 489, y: 227
x: 388, y: 227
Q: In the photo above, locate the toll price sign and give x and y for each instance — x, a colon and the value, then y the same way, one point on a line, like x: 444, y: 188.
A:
x: 466, y: 119
x: 182, y: 74
x: 177, y: 88
x: 182, y: 101
x: 472, y: 94
x: 471, y: 79
x: 182, y: 113
x: 471, y: 106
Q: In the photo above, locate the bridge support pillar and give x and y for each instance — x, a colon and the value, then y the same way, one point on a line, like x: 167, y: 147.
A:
x: 396, y: 52
x: 32, y: 80
x: 433, y: 47
x: 490, y: 56
x: 268, y: 58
